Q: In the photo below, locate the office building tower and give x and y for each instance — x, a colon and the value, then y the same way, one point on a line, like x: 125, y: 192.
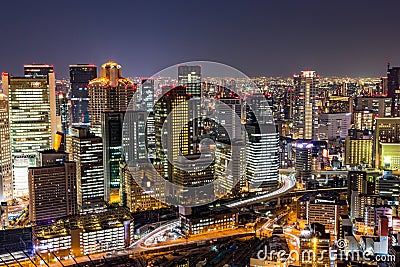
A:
x: 338, y: 104
x: 334, y: 125
x: 194, y: 174
x: 134, y: 132
x: 6, y: 175
x: 303, y: 161
x: 381, y: 106
x: 262, y: 158
x: 363, y: 119
x: 359, y: 148
x: 38, y: 70
x: 62, y: 113
x: 393, y: 85
x: 54, y: 156
x: 286, y: 152
x: 52, y: 192
x: 358, y: 183
x: 80, y: 75
x: 190, y: 77
x: 230, y: 162
x: 134, y: 196
x: 228, y: 116
x: 262, y: 144
x: 109, y: 92
x: 171, y: 110
x: 387, y: 143
x: 147, y: 96
x: 388, y: 187
x: 112, y: 151
x: 32, y: 121
x: 147, y: 101
x: 305, y: 105
x: 309, y: 156
x: 309, y: 208
x: 86, y: 150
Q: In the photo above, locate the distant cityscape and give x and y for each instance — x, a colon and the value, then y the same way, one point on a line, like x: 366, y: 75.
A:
x: 186, y: 169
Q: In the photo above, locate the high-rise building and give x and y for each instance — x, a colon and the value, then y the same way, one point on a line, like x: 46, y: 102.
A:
x: 359, y: 182
x: 32, y: 121
x: 6, y: 177
x: 80, y: 75
x: 262, y: 158
x: 109, y: 92
x: 112, y: 150
x: 381, y: 106
x: 359, y: 148
x: 339, y: 104
x: 147, y: 96
x: 393, y: 85
x: 86, y: 150
x: 363, y: 119
x: 190, y: 77
x: 387, y: 143
x: 147, y: 104
x: 310, y: 156
x: 332, y: 204
x: 303, y: 161
x: 134, y: 196
x: 62, y: 89
x: 52, y: 192
x: 171, y: 110
x: 334, y: 125
x: 305, y: 105
x: 37, y: 70
x: 388, y: 187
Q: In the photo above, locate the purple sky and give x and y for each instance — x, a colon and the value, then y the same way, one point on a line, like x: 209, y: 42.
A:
x: 263, y: 37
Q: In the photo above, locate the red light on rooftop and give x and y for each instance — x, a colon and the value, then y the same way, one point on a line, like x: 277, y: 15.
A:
x: 4, y: 74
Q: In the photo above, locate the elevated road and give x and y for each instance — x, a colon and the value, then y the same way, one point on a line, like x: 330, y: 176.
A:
x: 288, y: 184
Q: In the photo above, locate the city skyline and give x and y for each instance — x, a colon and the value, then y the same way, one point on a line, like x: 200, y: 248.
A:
x: 200, y: 133
x: 260, y: 38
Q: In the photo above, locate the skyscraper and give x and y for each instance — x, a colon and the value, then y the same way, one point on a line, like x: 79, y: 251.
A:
x: 305, y: 105
x: 262, y: 158
x: 32, y: 121
x: 190, y: 77
x: 148, y: 95
x: 52, y: 191
x: 80, y: 75
x: 62, y: 112
x: 6, y: 182
x: 109, y: 92
x: 171, y: 110
x: 86, y: 150
x: 359, y: 148
x: 393, y: 85
x: 37, y: 70
x: 387, y: 143
x: 112, y: 150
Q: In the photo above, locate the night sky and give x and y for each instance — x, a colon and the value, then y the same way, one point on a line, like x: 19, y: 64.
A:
x: 265, y: 37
